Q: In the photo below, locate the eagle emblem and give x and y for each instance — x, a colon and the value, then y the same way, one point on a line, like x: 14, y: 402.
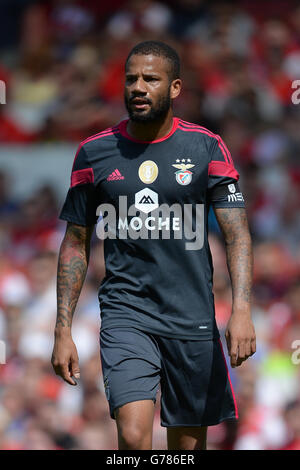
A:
x: 183, y: 173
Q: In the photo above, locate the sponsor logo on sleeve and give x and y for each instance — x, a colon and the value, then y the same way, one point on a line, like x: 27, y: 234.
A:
x: 231, y: 188
x: 237, y: 197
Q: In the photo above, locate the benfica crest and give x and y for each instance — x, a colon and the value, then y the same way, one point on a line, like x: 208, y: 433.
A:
x: 183, y: 175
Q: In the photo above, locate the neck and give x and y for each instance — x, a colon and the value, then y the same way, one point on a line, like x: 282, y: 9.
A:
x: 149, y: 131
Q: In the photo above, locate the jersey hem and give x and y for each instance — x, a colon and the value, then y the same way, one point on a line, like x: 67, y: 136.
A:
x: 199, y: 336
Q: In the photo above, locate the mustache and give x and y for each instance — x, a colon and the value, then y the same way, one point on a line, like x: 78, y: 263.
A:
x: 145, y: 100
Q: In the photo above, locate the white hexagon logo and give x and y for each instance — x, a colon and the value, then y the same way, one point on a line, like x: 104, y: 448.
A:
x: 146, y: 200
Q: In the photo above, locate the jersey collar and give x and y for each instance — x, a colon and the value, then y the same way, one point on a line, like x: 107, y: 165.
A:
x: 123, y: 131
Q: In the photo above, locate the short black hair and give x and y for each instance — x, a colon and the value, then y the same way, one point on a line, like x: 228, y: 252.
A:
x: 159, y: 49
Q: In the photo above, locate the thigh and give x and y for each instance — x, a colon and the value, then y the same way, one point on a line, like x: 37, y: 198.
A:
x: 130, y: 366
x: 195, y: 387
x: 135, y: 425
x: 187, y: 438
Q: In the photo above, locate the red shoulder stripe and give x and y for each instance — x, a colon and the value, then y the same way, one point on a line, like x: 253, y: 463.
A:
x: 221, y: 144
x: 109, y: 131
x: 82, y: 177
x: 216, y: 168
x: 219, y: 138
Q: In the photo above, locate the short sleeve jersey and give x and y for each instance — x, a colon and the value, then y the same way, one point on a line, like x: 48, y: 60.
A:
x: 150, y: 201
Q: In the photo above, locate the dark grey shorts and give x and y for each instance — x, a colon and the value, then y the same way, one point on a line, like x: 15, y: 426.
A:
x: 195, y: 385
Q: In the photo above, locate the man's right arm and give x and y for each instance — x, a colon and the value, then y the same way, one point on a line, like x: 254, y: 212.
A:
x: 72, y: 267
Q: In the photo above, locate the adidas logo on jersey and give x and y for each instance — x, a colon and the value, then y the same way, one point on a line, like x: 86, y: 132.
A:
x: 115, y: 175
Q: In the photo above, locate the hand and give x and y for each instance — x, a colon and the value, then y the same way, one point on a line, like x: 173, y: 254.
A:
x: 240, y: 338
x: 65, y: 359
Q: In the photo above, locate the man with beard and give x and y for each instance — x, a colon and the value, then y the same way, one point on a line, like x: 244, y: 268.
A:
x: 158, y: 324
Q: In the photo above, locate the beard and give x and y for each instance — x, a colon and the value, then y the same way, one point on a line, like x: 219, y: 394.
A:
x: 155, y: 113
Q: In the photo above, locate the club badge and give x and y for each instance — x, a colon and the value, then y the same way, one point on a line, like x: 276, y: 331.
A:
x: 183, y: 175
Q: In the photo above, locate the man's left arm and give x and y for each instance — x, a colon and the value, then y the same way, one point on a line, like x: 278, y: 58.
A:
x: 240, y: 333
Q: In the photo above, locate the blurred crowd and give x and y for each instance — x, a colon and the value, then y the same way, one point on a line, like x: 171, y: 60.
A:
x: 62, y: 62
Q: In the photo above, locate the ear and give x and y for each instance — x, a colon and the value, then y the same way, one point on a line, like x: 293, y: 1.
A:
x: 175, y: 88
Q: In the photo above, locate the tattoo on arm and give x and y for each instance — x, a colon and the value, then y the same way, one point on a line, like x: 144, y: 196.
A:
x: 72, y: 266
x: 234, y: 226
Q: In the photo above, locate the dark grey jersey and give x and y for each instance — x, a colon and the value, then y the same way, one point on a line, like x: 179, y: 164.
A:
x: 150, y: 201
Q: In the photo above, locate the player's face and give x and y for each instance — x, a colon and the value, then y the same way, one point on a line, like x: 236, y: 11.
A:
x: 148, y: 90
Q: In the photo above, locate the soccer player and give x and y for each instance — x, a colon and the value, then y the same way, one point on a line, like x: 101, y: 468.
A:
x: 153, y: 178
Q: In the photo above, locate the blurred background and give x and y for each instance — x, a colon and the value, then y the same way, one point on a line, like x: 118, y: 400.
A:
x: 62, y: 62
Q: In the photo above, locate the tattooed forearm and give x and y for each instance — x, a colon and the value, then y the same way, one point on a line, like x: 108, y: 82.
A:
x: 72, y: 267
x: 234, y: 226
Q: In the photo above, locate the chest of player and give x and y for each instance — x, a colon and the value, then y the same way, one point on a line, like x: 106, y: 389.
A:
x: 156, y: 173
